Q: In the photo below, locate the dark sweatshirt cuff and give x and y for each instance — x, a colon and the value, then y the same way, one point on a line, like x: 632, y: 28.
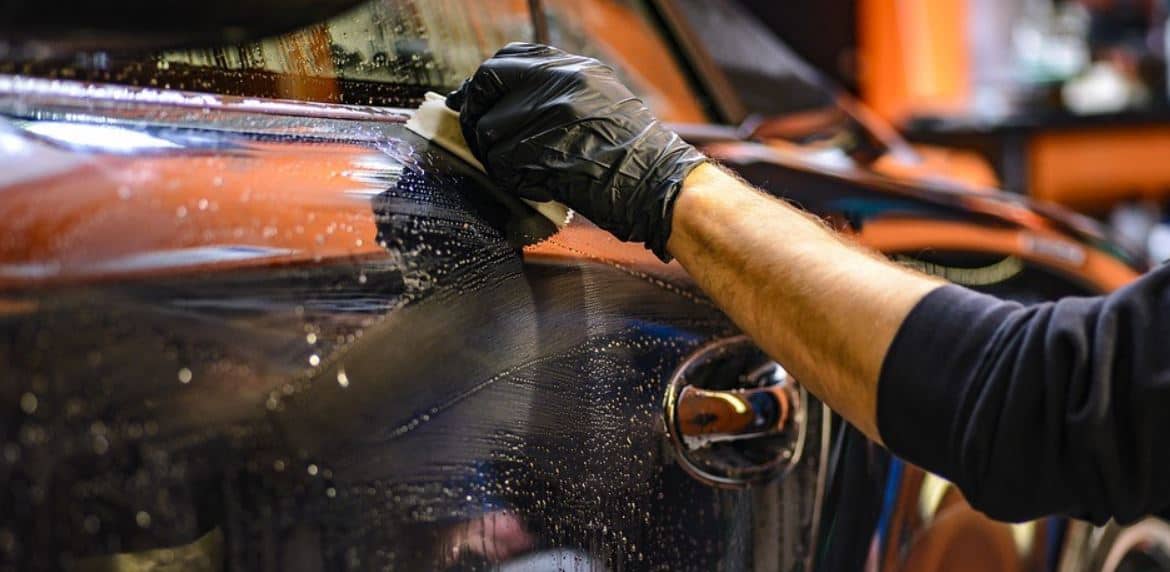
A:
x: 925, y: 375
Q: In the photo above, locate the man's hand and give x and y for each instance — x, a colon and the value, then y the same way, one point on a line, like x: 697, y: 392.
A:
x: 549, y: 125
x: 979, y: 390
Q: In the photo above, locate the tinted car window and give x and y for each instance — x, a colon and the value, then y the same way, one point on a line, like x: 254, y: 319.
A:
x: 769, y: 78
x: 390, y: 52
x: 385, y: 52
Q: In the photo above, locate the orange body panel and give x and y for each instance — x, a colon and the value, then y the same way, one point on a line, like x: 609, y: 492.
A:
x: 114, y: 217
x: 1049, y: 249
x: 950, y: 536
x: 941, y: 164
x: 1090, y: 169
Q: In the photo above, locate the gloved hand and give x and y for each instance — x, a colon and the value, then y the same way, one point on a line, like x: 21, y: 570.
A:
x: 549, y: 125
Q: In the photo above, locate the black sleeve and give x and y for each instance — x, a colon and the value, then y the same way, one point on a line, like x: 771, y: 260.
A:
x: 1060, y: 408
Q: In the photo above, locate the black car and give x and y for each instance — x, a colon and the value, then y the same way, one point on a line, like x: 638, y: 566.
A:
x: 251, y: 322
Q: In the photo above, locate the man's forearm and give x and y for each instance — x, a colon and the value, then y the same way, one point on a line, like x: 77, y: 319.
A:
x: 824, y: 308
x: 1030, y: 410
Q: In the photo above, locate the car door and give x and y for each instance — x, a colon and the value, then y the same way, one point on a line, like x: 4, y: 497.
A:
x: 250, y: 321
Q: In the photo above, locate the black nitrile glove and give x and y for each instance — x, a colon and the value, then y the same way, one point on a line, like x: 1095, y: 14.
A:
x: 549, y: 125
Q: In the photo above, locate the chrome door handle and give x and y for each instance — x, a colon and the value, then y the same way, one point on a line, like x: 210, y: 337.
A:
x: 705, y: 416
x: 734, y: 416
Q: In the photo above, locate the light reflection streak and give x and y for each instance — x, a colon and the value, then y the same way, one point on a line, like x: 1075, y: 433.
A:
x: 99, y: 137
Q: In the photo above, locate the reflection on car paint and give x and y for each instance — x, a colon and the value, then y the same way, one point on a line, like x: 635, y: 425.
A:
x: 99, y: 138
x: 418, y: 400
x: 303, y: 392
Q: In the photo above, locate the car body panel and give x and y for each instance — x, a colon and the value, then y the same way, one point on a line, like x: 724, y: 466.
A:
x: 282, y: 334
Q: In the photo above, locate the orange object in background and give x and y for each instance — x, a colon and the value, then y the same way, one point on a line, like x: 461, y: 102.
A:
x: 941, y: 165
x: 938, y: 530
x: 917, y: 62
x: 1090, y: 169
x: 914, y: 56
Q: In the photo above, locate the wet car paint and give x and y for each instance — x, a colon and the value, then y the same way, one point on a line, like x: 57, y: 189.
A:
x: 396, y: 384
x: 402, y: 385
x: 245, y: 352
